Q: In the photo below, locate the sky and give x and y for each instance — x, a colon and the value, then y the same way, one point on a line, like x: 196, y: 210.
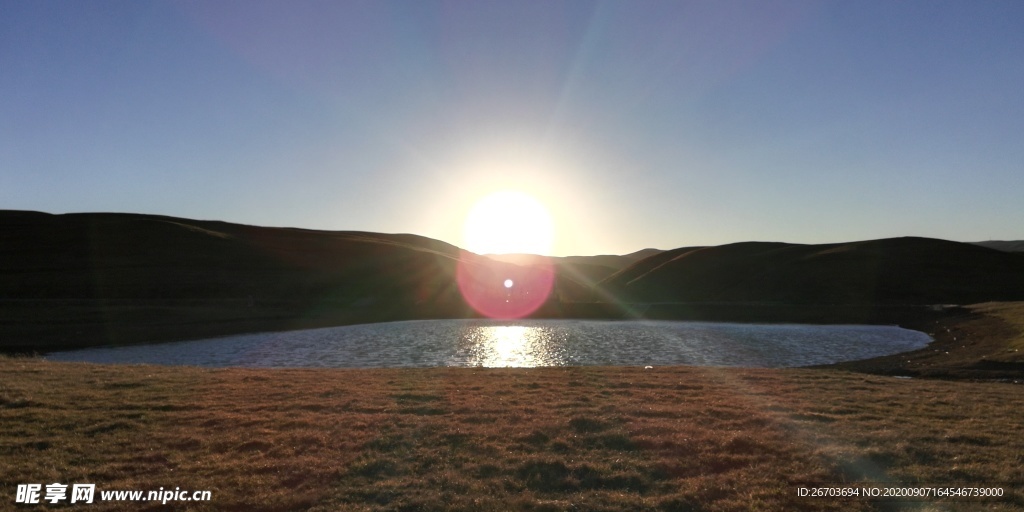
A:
x: 635, y: 123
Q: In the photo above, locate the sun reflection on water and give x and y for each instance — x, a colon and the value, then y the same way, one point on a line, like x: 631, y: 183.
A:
x: 518, y: 346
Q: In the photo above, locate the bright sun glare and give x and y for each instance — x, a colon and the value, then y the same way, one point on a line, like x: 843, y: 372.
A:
x: 509, y: 222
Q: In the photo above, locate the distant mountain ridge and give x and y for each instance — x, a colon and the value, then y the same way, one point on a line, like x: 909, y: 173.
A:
x: 1003, y: 245
x: 122, y: 256
x: 95, y: 278
x: 587, y: 270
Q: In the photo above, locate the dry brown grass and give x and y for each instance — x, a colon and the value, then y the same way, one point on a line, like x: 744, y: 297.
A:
x: 477, y: 439
x: 1012, y: 314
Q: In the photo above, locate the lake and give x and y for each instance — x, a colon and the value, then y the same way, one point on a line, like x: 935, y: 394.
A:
x: 525, y: 343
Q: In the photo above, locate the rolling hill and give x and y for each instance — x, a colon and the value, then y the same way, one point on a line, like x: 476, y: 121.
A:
x: 890, y: 271
x: 140, y: 257
x: 115, y: 278
x: 102, y: 278
x: 586, y: 270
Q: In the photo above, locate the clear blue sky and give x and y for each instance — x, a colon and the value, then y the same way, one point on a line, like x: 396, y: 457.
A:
x: 639, y: 124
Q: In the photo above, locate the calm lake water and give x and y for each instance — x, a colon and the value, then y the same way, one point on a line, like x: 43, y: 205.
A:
x: 529, y: 343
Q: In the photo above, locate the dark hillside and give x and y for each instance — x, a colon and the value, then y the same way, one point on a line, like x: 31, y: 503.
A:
x: 891, y: 271
x: 121, y: 256
x: 86, y: 279
x: 583, y: 271
x: 618, y: 282
x: 641, y: 254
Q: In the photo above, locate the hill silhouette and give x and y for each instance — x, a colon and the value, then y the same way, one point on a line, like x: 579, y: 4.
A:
x: 124, y: 256
x: 578, y: 270
x: 905, y: 270
x: 105, y: 278
x: 1003, y: 245
x: 102, y: 278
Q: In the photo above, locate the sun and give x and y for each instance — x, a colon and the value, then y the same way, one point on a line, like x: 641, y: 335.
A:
x: 509, y: 222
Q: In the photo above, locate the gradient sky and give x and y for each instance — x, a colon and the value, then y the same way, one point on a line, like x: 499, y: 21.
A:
x: 639, y: 124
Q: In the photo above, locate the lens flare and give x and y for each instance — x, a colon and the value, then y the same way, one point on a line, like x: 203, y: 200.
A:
x: 503, y: 290
x: 507, y: 222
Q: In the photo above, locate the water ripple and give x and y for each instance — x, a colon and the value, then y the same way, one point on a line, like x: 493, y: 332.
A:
x: 529, y: 343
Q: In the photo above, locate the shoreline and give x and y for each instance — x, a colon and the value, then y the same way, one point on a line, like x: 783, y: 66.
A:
x: 983, y: 342
x: 975, y: 342
x: 39, y: 326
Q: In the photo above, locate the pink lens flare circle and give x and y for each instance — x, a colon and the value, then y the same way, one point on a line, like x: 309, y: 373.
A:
x: 505, y: 291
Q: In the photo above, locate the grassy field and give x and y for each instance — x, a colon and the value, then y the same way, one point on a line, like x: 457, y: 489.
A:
x: 475, y: 439
x: 582, y: 438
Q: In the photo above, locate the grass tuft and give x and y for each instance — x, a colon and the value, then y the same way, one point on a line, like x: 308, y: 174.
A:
x: 587, y: 425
